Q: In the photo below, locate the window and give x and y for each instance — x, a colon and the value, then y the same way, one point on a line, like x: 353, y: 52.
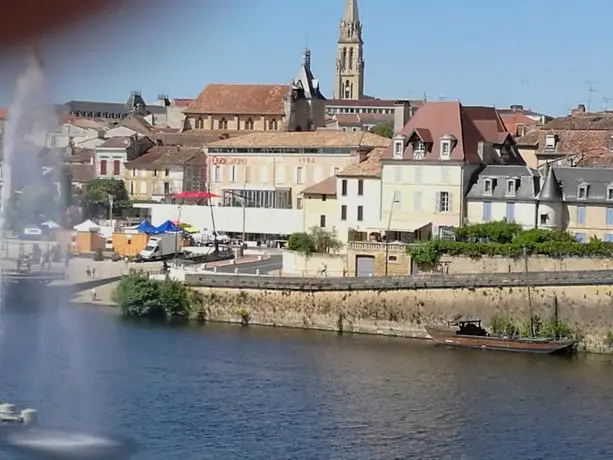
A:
x: 133, y: 172
x: 299, y: 175
x: 199, y: 123
x: 103, y: 167
x: 582, y: 192
x: 581, y: 214
x: 443, y: 202
x: 445, y: 149
x: 544, y: 219
x: 232, y: 173
x: 487, y: 211
x: 217, y: 174
x: 166, y: 188
x: 299, y: 203
x: 344, y: 187
x: 322, y: 221
x: 273, y: 125
x: 116, y: 167
x: 580, y: 237
x: 609, y: 216
x: 336, y: 171
x: 167, y: 172
x: 511, y: 187
x: 223, y: 124
x: 324, y: 197
x: 360, y: 187
x: 360, y: 213
x: 155, y: 173
x: 609, y: 193
x: 487, y: 186
x: 608, y: 238
x: 343, y: 212
x: 131, y: 188
x: 249, y: 124
x: 419, y: 146
x: 398, y: 148
x: 550, y: 141
x: 510, y: 212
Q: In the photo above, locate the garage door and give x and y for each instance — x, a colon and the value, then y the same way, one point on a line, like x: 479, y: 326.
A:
x: 364, y: 265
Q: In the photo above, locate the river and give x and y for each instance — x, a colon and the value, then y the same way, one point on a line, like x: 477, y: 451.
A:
x: 226, y: 392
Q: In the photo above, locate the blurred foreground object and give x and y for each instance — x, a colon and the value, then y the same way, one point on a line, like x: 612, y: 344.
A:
x: 27, y: 19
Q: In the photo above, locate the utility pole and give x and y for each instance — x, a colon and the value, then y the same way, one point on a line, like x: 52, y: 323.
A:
x: 591, y: 90
x: 606, y: 103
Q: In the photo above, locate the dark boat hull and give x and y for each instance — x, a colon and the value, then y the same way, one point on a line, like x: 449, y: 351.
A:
x: 448, y: 337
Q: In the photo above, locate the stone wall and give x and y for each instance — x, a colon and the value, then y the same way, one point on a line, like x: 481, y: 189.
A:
x: 404, y: 313
x: 457, y: 265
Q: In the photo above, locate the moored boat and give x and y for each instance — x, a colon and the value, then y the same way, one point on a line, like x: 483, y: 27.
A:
x: 470, y: 334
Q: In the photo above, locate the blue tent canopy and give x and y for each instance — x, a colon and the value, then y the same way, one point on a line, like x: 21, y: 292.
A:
x: 167, y: 226
x: 146, y: 227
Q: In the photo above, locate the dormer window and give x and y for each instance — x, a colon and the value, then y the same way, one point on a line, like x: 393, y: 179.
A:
x: 512, y: 186
x: 398, y: 146
x: 419, y: 149
x: 445, y: 149
x: 488, y: 186
x: 582, y: 191
x: 610, y: 193
x: 550, y: 141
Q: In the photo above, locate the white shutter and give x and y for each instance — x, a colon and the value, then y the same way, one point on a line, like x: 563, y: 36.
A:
x: 437, y: 201
x: 450, y: 195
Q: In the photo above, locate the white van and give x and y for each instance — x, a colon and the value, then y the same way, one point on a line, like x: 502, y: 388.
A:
x: 161, y: 247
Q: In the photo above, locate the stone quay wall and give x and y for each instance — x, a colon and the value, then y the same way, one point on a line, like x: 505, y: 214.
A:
x: 402, y: 306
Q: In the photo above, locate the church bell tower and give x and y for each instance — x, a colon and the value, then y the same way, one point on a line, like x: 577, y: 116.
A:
x: 349, y: 77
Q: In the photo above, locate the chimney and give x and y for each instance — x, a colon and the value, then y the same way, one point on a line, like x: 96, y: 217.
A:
x: 402, y: 113
x: 578, y: 111
x: 517, y: 107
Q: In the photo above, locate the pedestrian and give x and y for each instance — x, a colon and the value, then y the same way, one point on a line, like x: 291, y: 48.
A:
x: 93, y: 272
x: 88, y: 272
x: 94, y: 294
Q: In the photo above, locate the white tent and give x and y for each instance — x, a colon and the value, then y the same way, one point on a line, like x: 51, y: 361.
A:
x: 87, y: 226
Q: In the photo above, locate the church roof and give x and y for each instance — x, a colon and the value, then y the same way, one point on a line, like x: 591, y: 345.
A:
x: 221, y: 99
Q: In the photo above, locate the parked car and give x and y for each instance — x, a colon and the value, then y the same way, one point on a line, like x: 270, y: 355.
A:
x: 31, y: 232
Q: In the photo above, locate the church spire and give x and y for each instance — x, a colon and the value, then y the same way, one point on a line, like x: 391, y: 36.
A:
x: 351, y: 27
x: 349, y: 72
x: 351, y: 14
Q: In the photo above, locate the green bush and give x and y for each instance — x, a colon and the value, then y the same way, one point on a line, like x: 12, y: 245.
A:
x: 139, y: 296
x: 316, y: 240
x: 508, y: 240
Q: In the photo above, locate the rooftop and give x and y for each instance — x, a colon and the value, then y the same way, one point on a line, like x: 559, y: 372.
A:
x: 369, y: 102
x: 166, y: 156
x: 305, y: 139
x: 82, y: 172
x: 492, y: 183
x: 370, y: 167
x: 218, y: 99
x: 325, y: 187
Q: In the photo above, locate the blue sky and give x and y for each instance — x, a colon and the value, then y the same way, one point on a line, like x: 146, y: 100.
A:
x: 539, y: 54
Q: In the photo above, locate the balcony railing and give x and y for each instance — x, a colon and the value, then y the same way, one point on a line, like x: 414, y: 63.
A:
x: 377, y: 246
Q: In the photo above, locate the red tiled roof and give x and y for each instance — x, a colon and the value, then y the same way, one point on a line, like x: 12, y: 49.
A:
x: 513, y: 120
x: 370, y: 167
x: 196, y: 138
x: 182, y: 102
x: 325, y: 187
x: 583, y: 121
x: 165, y: 156
x: 116, y: 143
x: 240, y: 100
x: 82, y: 173
x: 469, y: 126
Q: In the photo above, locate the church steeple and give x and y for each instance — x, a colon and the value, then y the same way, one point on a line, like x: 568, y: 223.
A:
x: 349, y: 79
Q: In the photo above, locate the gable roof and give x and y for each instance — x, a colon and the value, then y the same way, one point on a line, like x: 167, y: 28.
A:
x: 218, y: 99
x: 165, y: 156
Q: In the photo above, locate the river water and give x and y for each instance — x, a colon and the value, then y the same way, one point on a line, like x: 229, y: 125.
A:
x: 226, y: 392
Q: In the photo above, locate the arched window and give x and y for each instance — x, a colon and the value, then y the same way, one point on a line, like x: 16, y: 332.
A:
x: 347, y: 90
x: 344, y: 59
x: 350, y: 58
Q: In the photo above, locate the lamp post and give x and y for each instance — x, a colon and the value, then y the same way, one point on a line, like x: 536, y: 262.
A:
x: 389, y: 224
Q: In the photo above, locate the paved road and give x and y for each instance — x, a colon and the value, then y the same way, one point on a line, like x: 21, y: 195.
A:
x: 265, y: 266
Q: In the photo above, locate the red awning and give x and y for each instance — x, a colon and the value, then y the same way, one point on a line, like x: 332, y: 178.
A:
x: 194, y: 195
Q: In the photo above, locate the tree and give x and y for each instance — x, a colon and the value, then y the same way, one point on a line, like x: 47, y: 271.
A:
x: 316, y: 240
x: 95, y: 199
x: 139, y: 296
x: 385, y: 129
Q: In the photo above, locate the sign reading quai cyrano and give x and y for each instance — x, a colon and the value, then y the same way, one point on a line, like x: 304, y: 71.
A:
x: 222, y: 161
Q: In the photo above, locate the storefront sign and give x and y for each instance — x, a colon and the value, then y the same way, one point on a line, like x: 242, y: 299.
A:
x: 223, y: 161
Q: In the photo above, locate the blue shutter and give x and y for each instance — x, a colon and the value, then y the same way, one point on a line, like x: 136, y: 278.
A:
x: 510, y: 212
x: 609, y: 216
x: 581, y: 214
x: 580, y: 237
x: 487, y: 211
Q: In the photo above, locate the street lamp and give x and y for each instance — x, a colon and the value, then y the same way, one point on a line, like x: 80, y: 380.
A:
x: 395, y: 200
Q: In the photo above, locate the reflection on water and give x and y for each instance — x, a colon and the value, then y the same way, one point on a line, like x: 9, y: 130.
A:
x: 230, y: 392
